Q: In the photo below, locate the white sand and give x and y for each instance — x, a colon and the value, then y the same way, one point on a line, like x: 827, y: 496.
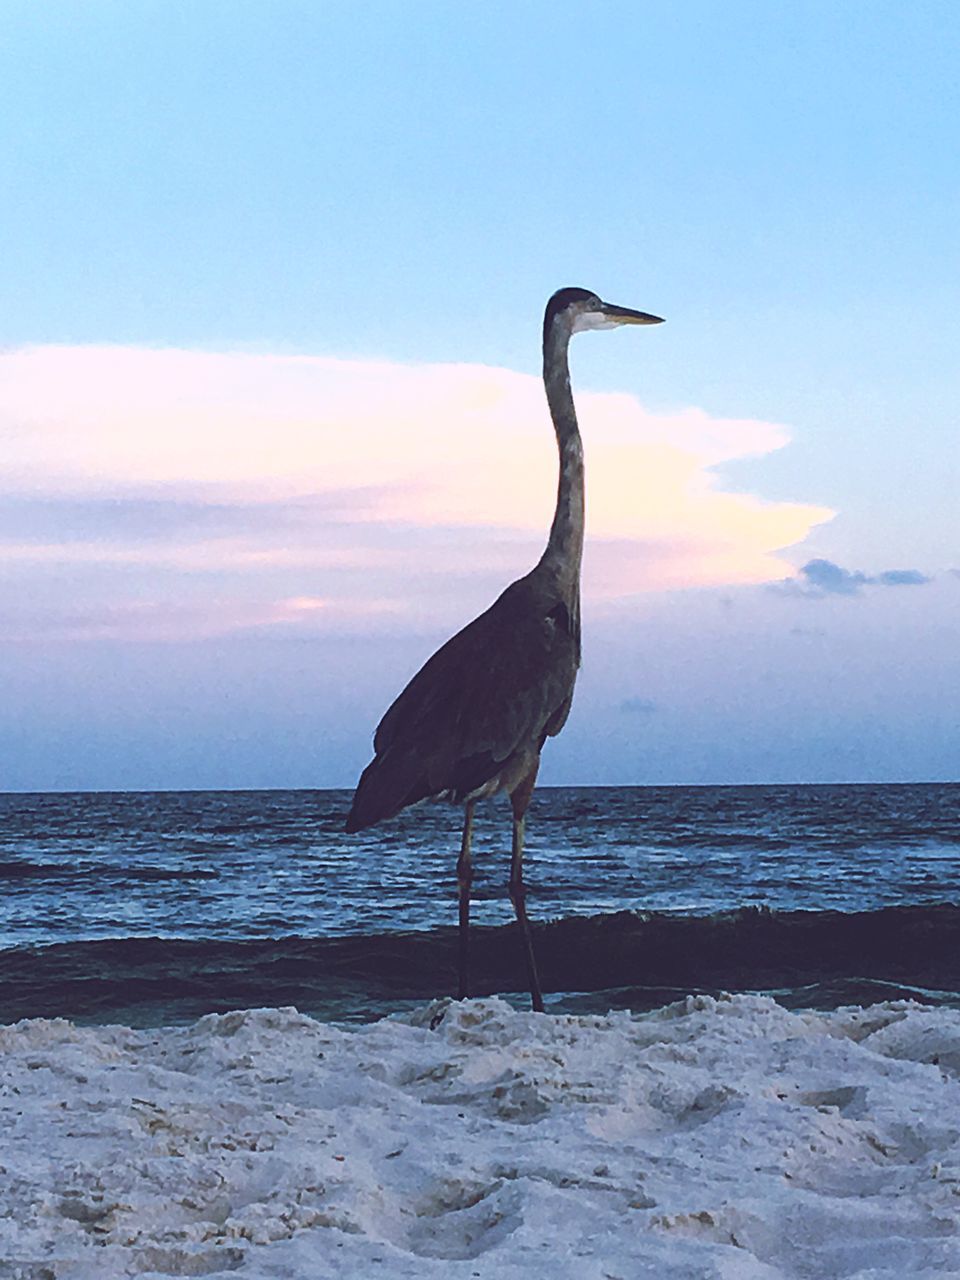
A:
x: 725, y: 1139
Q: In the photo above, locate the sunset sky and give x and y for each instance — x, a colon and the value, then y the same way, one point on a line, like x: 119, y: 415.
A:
x: 271, y: 424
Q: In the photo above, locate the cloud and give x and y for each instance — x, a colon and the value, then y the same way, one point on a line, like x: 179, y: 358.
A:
x: 638, y: 707
x: 171, y: 620
x: 125, y: 520
x: 823, y: 577
x: 380, y: 486
x: 819, y: 578
x: 902, y: 578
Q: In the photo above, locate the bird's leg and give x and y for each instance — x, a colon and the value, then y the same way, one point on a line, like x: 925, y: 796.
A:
x: 518, y: 893
x: 464, y: 880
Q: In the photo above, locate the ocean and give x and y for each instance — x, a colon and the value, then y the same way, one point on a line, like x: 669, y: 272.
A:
x: 157, y: 907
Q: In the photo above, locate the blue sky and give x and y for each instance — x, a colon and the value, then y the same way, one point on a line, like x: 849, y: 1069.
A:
x: 395, y: 186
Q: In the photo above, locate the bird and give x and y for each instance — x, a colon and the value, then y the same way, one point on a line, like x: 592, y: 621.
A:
x: 474, y: 719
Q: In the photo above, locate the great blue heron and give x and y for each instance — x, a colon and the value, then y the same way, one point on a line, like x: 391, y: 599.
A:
x: 474, y: 719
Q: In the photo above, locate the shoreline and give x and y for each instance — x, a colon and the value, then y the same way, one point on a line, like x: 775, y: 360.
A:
x: 814, y: 959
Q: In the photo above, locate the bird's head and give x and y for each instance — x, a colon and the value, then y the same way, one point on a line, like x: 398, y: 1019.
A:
x: 578, y: 309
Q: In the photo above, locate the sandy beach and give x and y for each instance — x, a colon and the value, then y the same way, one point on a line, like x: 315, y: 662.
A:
x: 729, y: 1139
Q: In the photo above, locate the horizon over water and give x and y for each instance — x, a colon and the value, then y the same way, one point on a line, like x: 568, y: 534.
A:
x: 541, y: 786
x: 162, y: 904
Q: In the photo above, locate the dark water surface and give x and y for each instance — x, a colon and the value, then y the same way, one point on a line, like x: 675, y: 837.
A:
x: 162, y: 905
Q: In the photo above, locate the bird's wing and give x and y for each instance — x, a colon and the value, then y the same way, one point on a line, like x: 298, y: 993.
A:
x: 501, y: 683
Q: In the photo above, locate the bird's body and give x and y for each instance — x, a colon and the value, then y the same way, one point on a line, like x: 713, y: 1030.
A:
x: 474, y: 719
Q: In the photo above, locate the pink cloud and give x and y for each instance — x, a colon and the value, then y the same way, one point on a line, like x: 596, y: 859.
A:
x: 385, y: 475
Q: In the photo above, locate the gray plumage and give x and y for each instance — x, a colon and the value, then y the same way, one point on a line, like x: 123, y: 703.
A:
x: 474, y: 719
x: 478, y: 713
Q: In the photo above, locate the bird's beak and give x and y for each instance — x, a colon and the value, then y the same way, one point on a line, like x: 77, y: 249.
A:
x: 624, y: 315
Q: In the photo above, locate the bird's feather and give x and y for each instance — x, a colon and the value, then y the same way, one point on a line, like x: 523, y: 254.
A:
x: 498, y: 687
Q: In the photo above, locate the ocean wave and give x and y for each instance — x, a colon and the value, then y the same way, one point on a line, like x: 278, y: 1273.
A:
x: 22, y: 869
x: 632, y: 960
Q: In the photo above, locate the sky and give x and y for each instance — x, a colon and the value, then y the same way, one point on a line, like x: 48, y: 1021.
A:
x: 271, y: 425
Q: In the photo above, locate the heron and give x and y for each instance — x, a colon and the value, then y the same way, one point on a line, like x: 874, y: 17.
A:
x: 474, y: 719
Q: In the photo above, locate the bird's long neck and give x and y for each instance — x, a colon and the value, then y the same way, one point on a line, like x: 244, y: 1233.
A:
x: 565, y: 545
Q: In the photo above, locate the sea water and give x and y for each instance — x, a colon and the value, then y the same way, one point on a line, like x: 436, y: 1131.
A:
x: 127, y: 888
